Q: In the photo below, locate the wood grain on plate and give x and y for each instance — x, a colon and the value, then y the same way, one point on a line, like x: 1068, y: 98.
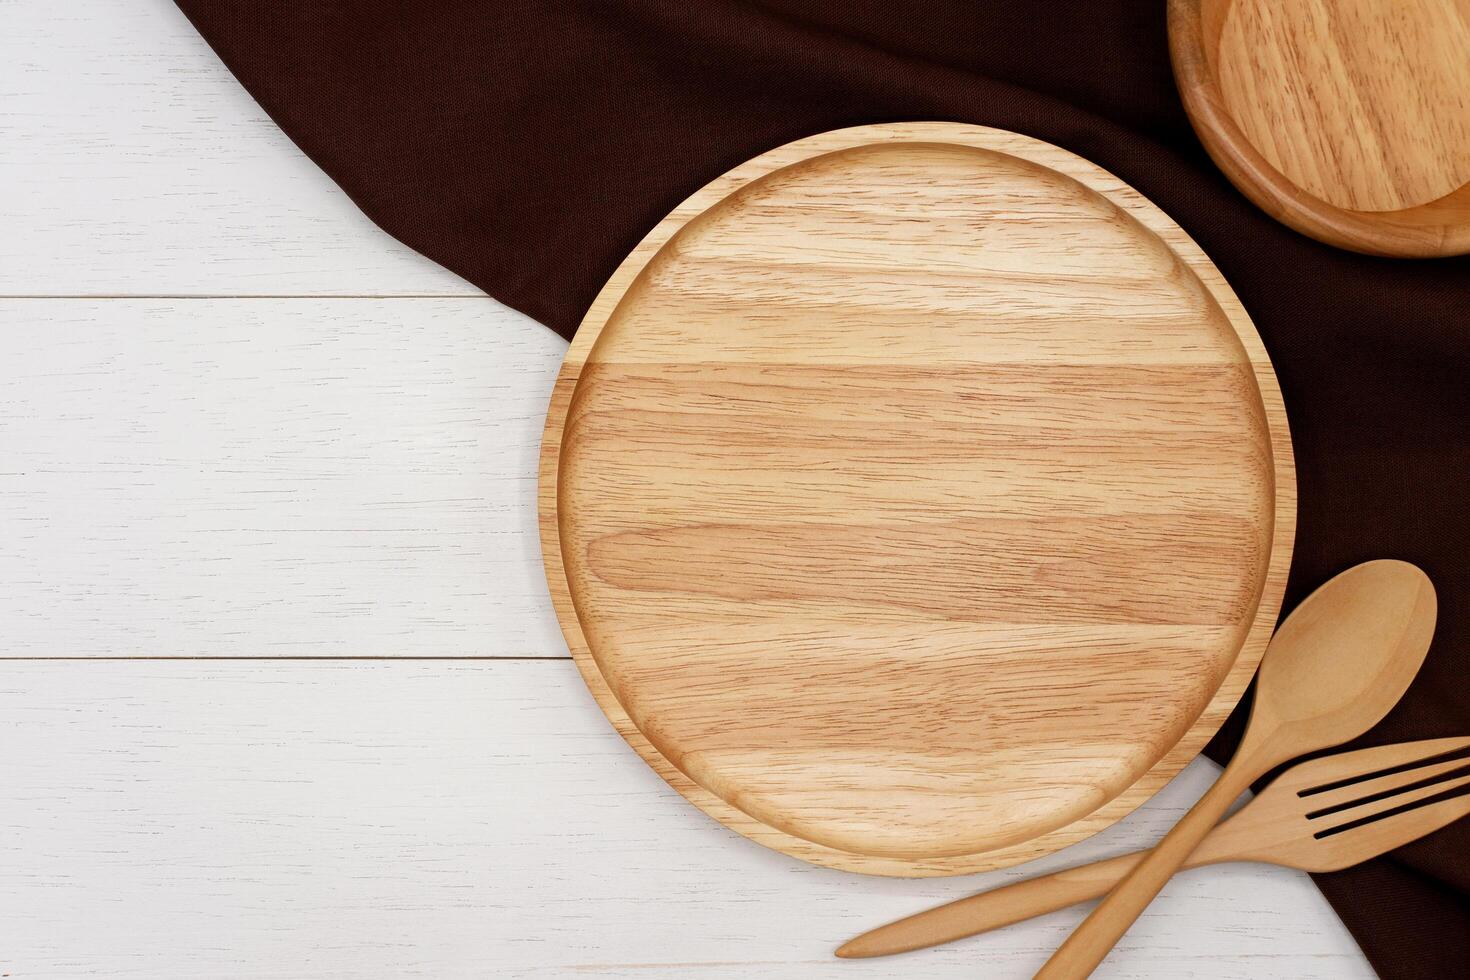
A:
x: 917, y: 498
x: 1348, y: 120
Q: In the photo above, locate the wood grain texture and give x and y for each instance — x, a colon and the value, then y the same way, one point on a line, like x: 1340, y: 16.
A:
x: 350, y: 820
x: 133, y: 163
x: 1348, y: 120
x: 266, y: 477
x: 917, y: 498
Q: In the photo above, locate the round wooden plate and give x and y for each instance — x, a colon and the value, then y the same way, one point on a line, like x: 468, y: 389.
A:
x: 917, y: 498
x: 1348, y: 120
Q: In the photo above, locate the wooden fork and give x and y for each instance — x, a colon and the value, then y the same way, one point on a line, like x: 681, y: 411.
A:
x: 1322, y: 815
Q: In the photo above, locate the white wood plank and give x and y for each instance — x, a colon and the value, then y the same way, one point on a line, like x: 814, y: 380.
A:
x: 348, y: 819
x: 132, y: 162
x: 272, y: 478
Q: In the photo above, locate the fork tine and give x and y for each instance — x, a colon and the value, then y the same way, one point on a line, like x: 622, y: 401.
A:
x: 1306, y: 776
x: 1357, y: 844
x: 1350, y: 847
x: 1345, y: 796
x: 1355, y: 814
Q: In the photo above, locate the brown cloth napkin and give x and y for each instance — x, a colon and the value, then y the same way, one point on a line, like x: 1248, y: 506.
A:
x: 529, y: 145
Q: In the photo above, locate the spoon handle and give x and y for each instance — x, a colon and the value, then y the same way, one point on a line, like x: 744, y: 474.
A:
x: 1091, y: 942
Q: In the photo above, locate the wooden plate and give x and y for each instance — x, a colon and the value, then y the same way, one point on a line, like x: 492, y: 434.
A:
x: 1349, y: 120
x: 916, y: 499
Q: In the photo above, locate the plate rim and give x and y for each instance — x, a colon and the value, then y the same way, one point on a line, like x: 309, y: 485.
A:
x: 1273, y: 583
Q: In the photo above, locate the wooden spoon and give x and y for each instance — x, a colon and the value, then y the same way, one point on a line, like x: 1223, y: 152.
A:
x: 1337, y: 665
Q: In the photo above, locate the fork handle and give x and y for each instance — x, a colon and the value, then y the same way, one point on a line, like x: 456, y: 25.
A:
x: 990, y: 910
x: 1004, y: 906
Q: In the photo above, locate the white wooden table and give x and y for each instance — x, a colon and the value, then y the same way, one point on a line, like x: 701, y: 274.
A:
x: 283, y: 694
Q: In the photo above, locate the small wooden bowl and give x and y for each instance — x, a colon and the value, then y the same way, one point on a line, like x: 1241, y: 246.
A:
x: 1348, y: 120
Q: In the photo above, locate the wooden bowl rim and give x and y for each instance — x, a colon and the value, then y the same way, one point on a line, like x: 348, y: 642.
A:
x: 1434, y: 229
x: 1273, y: 582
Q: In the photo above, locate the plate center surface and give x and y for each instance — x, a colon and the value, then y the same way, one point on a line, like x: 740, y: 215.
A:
x: 915, y: 499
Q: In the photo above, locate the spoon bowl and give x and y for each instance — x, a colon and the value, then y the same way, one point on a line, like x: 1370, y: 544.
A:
x: 1344, y: 657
